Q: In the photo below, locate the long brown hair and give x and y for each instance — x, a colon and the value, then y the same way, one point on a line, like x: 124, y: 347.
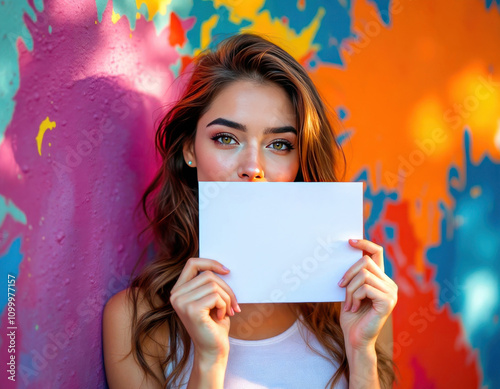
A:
x: 172, y: 196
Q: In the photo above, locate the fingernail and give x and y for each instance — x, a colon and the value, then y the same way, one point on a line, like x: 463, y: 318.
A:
x: 345, y: 307
x: 341, y: 281
x: 225, y: 268
x: 353, y: 309
x: 238, y: 309
x: 353, y: 240
x: 232, y: 311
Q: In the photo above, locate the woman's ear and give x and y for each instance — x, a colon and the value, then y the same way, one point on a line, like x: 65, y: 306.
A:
x: 188, y: 152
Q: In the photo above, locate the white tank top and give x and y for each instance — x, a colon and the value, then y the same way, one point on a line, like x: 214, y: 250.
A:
x: 283, y: 361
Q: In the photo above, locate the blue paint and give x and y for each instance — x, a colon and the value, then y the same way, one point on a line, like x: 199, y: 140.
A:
x: 342, y: 112
x: 490, y: 2
x: 202, y: 10
x: 224, y: 27
x: 9, y: 265
x: 470, y: 245
x: 343, y: 137
x: 383, y: 10
x: 334, y: 27
x: 389, y: 232
x: 379, y: 200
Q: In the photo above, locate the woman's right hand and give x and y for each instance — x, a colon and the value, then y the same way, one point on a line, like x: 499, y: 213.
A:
x: 204, y: 302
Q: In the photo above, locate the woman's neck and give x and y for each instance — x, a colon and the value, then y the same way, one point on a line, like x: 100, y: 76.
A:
x: 261, y: 321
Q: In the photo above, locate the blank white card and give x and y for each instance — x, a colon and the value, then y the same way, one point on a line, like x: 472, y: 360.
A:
x: 282, y: 241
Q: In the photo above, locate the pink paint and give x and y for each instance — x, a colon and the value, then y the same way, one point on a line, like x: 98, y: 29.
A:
x: 93, y: 81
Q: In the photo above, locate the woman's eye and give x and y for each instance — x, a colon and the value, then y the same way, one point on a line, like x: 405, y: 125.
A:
x: 281, y: 146
x: 224, y: 139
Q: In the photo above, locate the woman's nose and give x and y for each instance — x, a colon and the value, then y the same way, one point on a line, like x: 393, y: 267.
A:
x: 251, y: 168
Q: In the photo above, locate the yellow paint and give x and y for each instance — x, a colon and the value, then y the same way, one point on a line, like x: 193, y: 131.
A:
x: 130, y: 36
x: 137, y: 15
x: 477, y: 97
x: 426, y: 118
x: 95, y: 22
x: 50, y: 144
x: 239, y: 10
x: 44, y: 126
x: 154, y: 6
x: 115, y: 17
x: 206, y: 32
x: 298, y: 45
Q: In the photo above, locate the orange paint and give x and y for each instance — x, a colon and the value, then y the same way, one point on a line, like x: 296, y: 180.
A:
x: 404, y: 85
x: 177, y: 36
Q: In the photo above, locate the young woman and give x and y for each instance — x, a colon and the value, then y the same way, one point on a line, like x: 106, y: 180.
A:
x: 249, y: 113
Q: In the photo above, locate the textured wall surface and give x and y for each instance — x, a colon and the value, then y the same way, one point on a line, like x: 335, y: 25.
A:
x: 416, y: 85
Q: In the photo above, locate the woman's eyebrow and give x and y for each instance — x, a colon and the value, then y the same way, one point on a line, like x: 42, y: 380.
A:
x: 227, y: 123
x: 280, y: 130
x: 242, y: 127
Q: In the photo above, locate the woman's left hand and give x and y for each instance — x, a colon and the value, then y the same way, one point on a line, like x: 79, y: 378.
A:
x: 370, y: 297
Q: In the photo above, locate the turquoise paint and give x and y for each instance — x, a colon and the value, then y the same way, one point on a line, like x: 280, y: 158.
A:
x: 7, y: 207
x: 129, y: 10
x: 181, y: 8
x: 176, y: 67
x: 39, y: 5
x: 12, y: 28
x: 101, y: 6
x: 50, y: 29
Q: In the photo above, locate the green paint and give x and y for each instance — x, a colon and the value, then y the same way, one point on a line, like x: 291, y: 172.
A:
x: 36, y: 327
x: 8, y: 207
x: 50, y: 29
x: 12, y: 28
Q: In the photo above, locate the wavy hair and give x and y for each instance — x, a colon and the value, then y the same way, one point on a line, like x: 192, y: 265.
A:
x: 172, y: 197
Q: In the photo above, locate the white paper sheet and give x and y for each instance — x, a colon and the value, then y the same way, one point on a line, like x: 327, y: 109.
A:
x: 282, y: 241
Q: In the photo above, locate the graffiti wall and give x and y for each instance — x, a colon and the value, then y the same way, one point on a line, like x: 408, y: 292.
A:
x: 414, y: 83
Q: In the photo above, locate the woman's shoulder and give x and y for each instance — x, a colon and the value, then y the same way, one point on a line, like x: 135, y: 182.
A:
x: 122, y: 305
x: 117, y: 335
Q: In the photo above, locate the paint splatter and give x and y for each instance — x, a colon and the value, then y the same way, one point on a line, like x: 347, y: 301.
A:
x: 44, y: 126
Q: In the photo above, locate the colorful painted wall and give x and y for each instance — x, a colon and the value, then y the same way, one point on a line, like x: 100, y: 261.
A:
x: 415, y: 83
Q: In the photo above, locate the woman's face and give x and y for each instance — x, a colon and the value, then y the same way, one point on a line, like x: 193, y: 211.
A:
x: 247, y: 134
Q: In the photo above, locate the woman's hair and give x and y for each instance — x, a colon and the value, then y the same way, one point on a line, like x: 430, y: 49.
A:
x: 172, y: 196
